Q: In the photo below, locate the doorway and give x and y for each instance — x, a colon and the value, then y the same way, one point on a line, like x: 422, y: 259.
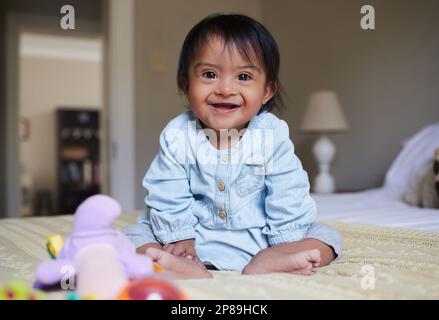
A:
x: 60, y: 108
x: 117, y: 125
x: 51, y: 72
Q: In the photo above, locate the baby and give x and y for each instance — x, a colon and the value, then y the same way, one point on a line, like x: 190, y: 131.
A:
x: 226, y: 190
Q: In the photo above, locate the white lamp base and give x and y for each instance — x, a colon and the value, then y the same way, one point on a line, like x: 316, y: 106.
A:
x: 324, y: 151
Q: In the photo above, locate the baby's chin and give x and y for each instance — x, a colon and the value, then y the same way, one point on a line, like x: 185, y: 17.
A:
x: 227, y: 127
x: 225, y: 124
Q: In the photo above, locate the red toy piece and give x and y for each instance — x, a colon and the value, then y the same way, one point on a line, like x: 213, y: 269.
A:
x: 151, y: 289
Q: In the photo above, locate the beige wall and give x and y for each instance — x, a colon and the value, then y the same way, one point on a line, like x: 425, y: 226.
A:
x: 160, y: 28
x: 386, y: 79
x: 46, y: 84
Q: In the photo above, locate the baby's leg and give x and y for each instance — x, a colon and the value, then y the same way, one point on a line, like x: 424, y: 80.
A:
x: 167, y: 248
x: 327, y: 254
x: 294, y: 260
x: 178, y: 267
x: 320, y: 247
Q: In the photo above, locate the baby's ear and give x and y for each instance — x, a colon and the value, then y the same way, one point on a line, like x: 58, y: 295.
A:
x: 270, y: 91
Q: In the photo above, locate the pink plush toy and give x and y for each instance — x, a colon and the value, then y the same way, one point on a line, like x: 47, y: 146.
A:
x: 93, y: 226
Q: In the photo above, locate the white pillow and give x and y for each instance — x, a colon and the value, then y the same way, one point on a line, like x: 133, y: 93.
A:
x: 412, y: 159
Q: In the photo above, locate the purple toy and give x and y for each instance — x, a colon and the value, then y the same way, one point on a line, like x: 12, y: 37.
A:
x: 93, y: 225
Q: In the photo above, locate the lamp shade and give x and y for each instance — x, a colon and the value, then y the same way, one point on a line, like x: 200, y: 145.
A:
x: 324, y: 113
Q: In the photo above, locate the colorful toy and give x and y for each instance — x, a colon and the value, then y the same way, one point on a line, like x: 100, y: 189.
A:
x: 54, y: 244
x: 93, y: 226
x: 158, y: 268
x: 151, y: 289
x: 72, y: 296
x: 100, y: 275
x: 20, y: 290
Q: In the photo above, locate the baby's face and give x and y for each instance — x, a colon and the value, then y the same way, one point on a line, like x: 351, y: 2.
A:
x: 225, y: 90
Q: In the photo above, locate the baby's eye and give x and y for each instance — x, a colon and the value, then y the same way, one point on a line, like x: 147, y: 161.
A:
x: 209, y: 74
x: 244, y: 77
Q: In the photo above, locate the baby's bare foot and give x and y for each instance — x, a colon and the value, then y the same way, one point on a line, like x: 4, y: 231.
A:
x: 269, y: 261
x: 178, y: 267
x: 305, y: 262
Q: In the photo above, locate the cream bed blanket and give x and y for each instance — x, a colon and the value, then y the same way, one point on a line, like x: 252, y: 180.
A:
x: 377, y: 263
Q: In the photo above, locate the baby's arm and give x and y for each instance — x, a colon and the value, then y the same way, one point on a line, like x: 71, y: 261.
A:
x: 288, y: 204
x: 169, y: 198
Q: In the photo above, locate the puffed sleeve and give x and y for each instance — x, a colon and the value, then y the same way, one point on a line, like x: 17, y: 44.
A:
x: 289, y: 207
x: 169, y: 197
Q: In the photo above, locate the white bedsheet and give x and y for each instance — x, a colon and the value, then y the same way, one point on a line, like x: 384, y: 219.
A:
x: 383, y: 206
x: 377, y: 207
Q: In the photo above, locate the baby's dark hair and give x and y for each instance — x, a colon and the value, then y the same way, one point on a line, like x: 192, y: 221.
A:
x: 242, y: 32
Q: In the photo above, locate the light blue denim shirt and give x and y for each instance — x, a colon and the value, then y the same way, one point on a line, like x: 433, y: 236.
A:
x: 234, y: 202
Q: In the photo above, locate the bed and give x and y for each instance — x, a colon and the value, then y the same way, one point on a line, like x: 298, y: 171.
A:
x: 391, y: 250
x: 405, y: 264
x: 384, y: 206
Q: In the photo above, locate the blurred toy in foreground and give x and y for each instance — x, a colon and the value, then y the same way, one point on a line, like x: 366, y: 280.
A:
x: 20, y: 290
x: 101, y: 258
x: 100, y: 275
x: 54, y: 244
x: 151, y: 289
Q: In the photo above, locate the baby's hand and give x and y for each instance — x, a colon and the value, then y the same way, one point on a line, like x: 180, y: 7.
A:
x: 184, y: 248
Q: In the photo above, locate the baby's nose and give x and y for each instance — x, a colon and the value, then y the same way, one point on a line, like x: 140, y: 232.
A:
x: 226, y: 87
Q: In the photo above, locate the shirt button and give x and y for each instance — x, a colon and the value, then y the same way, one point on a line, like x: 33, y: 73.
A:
x: 222, y: 214
x: 225, y: 158
x: 221, y: 186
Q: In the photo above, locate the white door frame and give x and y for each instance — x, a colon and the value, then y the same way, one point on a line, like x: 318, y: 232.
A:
x: 16, y: 23
x: 121, y: 100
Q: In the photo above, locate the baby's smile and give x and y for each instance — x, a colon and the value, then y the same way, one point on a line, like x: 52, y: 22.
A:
x: 224, y: 107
